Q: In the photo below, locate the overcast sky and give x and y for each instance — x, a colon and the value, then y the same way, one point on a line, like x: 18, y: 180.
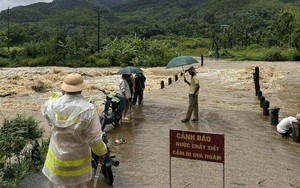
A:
x: 12, y: 3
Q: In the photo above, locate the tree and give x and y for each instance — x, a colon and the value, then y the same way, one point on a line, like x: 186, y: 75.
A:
x: 210, y: 18
x: 229, y: 37
x: 17, y: 35
x: 284, y: 27
x: 295, y: 42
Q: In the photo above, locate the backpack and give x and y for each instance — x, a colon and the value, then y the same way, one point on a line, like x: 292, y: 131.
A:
x: 138, y: 84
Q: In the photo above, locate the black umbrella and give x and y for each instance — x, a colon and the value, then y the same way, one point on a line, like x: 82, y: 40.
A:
x: 180, y: 61
x: 130, y: 70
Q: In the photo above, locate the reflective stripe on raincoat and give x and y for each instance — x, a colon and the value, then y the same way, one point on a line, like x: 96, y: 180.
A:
x: 75, y: 130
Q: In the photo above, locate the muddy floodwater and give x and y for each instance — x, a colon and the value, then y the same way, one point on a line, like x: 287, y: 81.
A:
x: 255, y: 154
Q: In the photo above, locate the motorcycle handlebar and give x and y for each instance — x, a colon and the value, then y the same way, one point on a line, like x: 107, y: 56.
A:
x: 114, y: 162
x: 102, y: 90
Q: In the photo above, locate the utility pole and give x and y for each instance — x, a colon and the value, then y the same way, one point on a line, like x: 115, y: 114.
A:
x: 98, y: 31
x: 8, y: 32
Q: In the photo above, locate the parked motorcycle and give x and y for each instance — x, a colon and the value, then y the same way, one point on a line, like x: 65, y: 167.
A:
x: 105, y: 168
x: 110, y: 115
x: 112, y: 112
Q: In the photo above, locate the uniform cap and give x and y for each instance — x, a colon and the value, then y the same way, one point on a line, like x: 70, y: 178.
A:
x: 192, y: 69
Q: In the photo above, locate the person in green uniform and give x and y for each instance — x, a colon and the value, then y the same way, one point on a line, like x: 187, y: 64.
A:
x: 193, y: 96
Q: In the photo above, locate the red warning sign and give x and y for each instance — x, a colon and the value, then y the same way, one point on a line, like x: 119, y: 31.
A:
x: 197, y: 145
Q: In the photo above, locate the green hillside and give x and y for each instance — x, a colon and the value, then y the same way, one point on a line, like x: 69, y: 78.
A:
x: 178, y: 17
x: 214, y: 24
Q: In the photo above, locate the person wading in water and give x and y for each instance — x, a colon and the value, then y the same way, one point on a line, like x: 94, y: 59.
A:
x: 193, y: 96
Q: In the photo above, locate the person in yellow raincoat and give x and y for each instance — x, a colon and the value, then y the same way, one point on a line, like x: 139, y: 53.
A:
x: 75, y: 130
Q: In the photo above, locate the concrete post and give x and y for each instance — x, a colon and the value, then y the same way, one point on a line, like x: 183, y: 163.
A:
x: 256, y: 80
x: 169, y: 81
x: 274, y: 115
x: 262, y: 99
x: 256, y: 84
x: 266, y: 105
x: 257, y: 71
x: 259, y: 94
x: 162, y: 84
x: 176, y: 77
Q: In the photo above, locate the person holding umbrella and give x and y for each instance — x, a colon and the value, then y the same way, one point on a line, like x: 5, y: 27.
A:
x: 193, y: 96
x: 131, y: 83
x: 127, y: 85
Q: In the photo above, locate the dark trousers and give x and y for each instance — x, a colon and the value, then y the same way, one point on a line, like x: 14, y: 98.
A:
x: 138, y: 95
x: 287, y: 133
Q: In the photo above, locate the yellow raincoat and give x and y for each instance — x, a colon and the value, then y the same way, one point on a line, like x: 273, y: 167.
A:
x: 75, y: 130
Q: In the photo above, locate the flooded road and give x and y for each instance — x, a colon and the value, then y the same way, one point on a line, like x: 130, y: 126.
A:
x: 255, y: 154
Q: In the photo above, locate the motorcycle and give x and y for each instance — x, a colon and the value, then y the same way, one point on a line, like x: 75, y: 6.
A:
x: 112, y: 112
x: 110, y: 115
x: 106, y: 167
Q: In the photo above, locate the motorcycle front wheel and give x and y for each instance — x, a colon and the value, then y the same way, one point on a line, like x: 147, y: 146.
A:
x: 102, y: 122
x: 108, y: 174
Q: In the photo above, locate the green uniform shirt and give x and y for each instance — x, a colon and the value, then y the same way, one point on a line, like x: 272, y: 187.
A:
x: 194, y: 82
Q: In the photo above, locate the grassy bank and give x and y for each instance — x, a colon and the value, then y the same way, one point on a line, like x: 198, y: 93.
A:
x: 156, y: 52
x: 257, y: 53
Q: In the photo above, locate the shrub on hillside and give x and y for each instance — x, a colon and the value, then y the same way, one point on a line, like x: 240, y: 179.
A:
x: 294, y: 55
x: 226, y: 54
x: 254, y: 47
x: 4, y: 62
x: 274, y: 56
x: 93, y: 61
x: 102, y: 63
x: 3, y: 53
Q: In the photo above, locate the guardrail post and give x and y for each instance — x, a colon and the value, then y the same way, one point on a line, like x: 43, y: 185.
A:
x: 169, y: 81
x: 162, y: 84
x: 274, y: 115
x: 201, y: 60
x: 256, y: 80
x: 266, y: 105
x: 259, y: 94
x: 262, y: 99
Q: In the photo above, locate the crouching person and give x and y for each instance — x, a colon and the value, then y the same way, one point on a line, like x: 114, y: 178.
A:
x: 75, y: 130
x: 285, y: 126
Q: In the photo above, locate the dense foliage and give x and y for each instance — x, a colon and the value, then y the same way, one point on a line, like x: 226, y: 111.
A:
x: 16, y: 160
x: 65, y: 32
x: 71, y: 51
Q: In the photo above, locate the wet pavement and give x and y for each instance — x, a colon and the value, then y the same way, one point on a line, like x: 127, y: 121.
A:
x: 255, y: 154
